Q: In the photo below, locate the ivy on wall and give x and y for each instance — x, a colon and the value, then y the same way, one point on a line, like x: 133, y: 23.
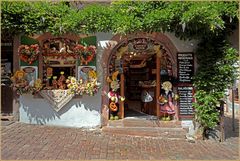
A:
x: 209, y: 22
x: 216, y: 72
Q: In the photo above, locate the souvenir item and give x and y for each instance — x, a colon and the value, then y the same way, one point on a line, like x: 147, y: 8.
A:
x: 146, y: 97
x: 49, y: 72
x: 61, y: 81
x: 166, y: 99
x: 20, y: 83
x: 113, y: 106
x: 54, y: 82
x: 28, y: 53
x: 113, y: 94
x: 86, y: 53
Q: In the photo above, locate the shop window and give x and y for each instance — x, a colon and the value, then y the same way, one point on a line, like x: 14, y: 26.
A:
x: 56, y: 74
x: 56, y: 63
x: 59, y: 62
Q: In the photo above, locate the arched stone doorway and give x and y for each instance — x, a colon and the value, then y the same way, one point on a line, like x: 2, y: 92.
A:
x: 120, y: 42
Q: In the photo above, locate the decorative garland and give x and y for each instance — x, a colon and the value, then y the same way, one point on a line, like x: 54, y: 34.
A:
x: 57, y: 56
x: 86, y: 53
x: 28, y: 53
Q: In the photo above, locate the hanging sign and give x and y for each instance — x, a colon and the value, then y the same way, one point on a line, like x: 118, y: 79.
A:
x: 140, y: 44
x: 185, y: 67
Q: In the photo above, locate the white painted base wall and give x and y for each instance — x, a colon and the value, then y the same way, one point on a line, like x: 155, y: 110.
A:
x: 79, y: 112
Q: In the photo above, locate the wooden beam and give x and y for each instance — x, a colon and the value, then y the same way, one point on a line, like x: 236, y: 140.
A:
x: 158, y: 83
x: 122, y: 94
x: 16, y: 66
x: 40, y: 63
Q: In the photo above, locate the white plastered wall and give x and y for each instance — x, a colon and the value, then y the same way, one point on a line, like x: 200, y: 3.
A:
x: 85, y: 111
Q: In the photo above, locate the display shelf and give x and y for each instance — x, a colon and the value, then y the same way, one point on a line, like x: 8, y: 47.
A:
x: 136, y: 75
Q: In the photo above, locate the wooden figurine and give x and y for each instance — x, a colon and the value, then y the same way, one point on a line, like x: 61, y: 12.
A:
x: 61, y: 81
x: 54, y: 82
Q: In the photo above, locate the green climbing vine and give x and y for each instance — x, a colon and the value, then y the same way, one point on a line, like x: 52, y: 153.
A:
x: 215, y: 73
x: 208, y: 22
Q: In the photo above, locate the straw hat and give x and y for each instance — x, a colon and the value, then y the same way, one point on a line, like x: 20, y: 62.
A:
x: 167, y: 86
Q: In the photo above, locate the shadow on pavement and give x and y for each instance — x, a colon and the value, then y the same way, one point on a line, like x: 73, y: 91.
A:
x: 6, y: 122
x: 229, y: 133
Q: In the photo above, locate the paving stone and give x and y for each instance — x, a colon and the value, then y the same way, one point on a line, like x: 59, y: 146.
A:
x: 37, y: 142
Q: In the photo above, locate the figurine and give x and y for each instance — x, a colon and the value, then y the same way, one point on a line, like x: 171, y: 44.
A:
x: 61, y: 81
x: 167, y: 105
x: 54, y: 82
x: 113, y: 94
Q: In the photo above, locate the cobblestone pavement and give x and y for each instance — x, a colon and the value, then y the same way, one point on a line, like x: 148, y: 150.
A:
x: 38, y: 142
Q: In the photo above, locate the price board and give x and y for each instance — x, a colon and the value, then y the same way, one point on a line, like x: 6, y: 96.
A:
x: 185, y: 63
x: 185, y: 100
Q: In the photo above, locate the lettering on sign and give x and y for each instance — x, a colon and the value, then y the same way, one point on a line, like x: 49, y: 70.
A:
x: 185, y: 67
x: 140, y: 44
x: 185, y: 100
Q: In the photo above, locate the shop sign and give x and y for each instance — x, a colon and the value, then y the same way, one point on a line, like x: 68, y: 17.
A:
x: 185, y: 100
x: 185, y: 67
x: 140, y: 44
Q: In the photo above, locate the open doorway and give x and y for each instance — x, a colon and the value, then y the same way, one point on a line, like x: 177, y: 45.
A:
x: 134, y: 58
x: 140, y: 84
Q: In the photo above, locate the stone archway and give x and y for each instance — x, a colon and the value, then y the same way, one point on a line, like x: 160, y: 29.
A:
x: 119, y: 41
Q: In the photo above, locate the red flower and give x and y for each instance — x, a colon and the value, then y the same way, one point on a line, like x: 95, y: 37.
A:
x: 28, y: 53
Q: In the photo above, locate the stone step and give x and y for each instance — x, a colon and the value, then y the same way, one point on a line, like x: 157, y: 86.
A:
x: 146, y: 127
x: 7, y: 117
x: 160, y: 132
x: 144, y: 123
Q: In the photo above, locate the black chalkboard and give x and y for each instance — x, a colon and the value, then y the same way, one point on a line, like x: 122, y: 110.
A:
x: 185, y: 67
x: 185, y: 100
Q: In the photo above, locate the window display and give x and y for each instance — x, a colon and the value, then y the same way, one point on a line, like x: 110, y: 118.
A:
x: 61, y: 58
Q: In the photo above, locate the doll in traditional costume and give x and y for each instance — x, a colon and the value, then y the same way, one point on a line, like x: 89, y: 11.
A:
x: 166, y: 100
x: 113, y: 94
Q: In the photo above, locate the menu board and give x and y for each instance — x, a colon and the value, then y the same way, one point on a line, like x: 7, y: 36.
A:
x: 185, y: 67
x: 185, y: 100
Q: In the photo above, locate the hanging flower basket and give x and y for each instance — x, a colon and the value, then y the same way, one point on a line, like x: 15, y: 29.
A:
x: 28, y: 53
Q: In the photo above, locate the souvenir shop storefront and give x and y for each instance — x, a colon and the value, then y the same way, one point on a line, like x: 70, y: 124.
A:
x: 87, y: 81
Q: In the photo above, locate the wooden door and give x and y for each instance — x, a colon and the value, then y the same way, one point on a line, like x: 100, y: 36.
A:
x: 158, y: 84
x: 121, y: 104
x: 6, y: 100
